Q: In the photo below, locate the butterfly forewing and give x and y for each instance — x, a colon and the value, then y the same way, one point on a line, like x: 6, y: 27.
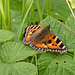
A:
x: 29, y: 33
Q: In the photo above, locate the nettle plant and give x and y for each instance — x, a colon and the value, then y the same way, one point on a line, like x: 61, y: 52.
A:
x: 16, y: 58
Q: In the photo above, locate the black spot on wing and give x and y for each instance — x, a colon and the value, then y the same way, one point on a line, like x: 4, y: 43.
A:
x: 54, y: 37
x: 49, y: 41
x: 58, y: 40
x: 61, y: 45
x: 33, y: 31
x: 52, y: 44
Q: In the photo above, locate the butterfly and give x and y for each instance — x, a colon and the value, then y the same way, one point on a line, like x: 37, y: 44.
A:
x: 41, y: 38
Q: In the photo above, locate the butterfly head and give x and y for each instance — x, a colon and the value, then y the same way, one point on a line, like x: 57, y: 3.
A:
x: 48, y: 27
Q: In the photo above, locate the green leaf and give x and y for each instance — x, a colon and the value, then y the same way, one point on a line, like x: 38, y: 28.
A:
x: 72, y: 3
x: 1, y: 61
x: 51, y: 64
x: 15, y: 20
x: 67, y: 37
x: 21, y: 68
x: 74, y: 56
x: 70, y: 37
x: 6, y: 35
x: 70, y: 22
x: 12, y: 52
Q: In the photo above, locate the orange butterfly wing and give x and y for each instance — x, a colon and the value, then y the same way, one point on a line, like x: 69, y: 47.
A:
x: 54, y: 43
x: 29, y: 32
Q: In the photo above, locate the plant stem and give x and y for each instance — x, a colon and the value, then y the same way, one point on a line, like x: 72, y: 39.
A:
x: 66, y: 26
x: 3, y: 14
x: 0, y: 21
x: 33, y: 14
x: 23, y: 9
x: 48, y: 7
x: 36, y: 63
x: 39, y: 8
x: 9, y: 19
x: 70, y: 9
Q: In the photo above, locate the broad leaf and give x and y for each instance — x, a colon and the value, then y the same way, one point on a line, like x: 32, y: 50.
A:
x: 70, y: 22
x: 1, y: 61
x: 6, y: 35
x: 51, y: 64
x: 67, y: 37
x: 12, y: 52
x: 15, y: 20
x: 20, y: 68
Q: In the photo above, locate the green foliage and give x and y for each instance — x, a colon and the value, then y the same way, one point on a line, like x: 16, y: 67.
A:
x: 20, y: 68
x: 72, y: 3
x: 60, y: 7
x: 52, y: 64
x: 26, y: 10
x: 70, y: 37
x: 64, y: 34
x: 14, y: 5
x: 17, y: 58
x: 56, y: 64
x: 6, y: 35
x: 39, y: 8
x: 12, y: 52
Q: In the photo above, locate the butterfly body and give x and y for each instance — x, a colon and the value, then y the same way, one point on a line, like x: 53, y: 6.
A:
x: 41, y: 38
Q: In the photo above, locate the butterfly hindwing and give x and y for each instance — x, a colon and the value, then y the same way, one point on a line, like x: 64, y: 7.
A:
x: 55, y: 44
x: 41, y: 46
x: 29, y: 32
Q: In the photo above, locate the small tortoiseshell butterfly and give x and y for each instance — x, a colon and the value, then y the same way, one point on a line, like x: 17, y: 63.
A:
x: 41, y: 38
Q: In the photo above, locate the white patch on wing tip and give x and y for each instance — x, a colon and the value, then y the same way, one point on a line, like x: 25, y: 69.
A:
x: 64, y: 47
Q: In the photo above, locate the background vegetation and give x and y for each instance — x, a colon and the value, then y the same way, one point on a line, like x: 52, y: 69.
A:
x: 19, y: 59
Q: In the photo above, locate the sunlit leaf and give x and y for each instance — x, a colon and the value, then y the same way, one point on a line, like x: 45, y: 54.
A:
x: 51, y: 64
x: 20, y: 68
x: 6, y: 35
x: 12, y: 52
